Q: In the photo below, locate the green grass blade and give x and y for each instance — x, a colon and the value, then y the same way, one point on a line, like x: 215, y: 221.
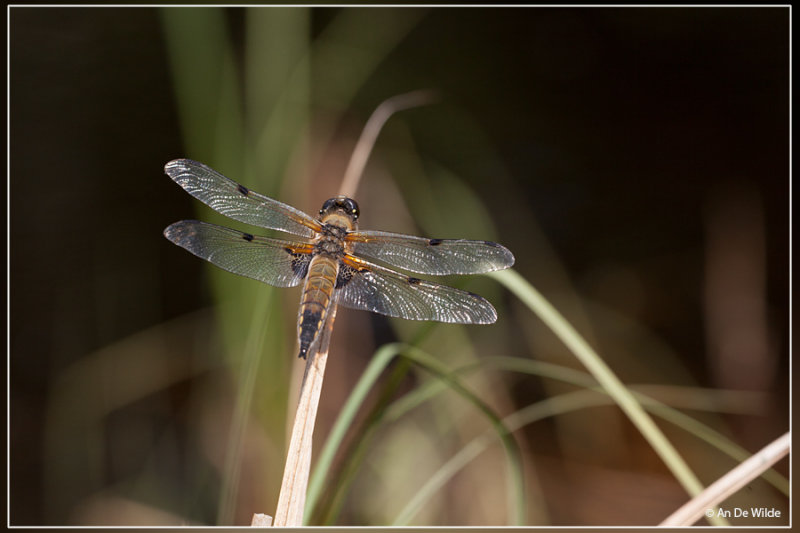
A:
x: 345, y: 419
x: 356, y: 451
x: 549, y: 407
x: 208, y: 97
x: 516, y: 488
x: 605, y: 377
x: 564, y: 404
x: 712, y: 437
x: 247, y: 381
x: 204, y: 77
x: 378, y: 363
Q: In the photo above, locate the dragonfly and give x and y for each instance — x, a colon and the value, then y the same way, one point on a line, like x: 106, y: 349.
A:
x: 337, y: 263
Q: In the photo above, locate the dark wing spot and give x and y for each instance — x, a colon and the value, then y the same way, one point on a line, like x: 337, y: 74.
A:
x: 434, y: 242
x: 300, y: 262
x: 247, y: 237
x: 414, y: 281
x: 346, y: 273
x: 300, y: 266
x: 243, y: 190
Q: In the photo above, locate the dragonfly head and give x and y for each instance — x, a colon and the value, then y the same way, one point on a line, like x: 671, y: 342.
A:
x: 340, y: 205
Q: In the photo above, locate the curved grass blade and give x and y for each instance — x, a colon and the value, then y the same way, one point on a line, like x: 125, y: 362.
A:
x: 381, y: 359
x: 560, y: 405
x: 355, y: 452
x: 606, y: 378
x: 377, y: 364
x: 553, y: 406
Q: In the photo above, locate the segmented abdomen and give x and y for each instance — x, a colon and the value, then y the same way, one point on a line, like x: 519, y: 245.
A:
x: 316, y: 299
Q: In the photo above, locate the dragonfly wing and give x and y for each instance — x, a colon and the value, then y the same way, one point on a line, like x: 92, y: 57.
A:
x: 277, y: 262
x: 237, y: 201
x: 431, y: 256
x: 366, y: 286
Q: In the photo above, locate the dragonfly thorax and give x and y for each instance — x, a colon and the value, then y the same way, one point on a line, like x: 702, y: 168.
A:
x: 329, y: 246
x: 330, y: 240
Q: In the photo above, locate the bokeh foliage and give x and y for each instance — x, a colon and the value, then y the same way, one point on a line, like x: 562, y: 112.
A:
x: 634, y: 160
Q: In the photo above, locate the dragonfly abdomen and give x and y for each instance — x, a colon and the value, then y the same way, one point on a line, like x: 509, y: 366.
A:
x: 316, y: 299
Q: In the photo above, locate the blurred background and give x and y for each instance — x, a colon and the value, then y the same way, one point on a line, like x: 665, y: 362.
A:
x: 636, y: 161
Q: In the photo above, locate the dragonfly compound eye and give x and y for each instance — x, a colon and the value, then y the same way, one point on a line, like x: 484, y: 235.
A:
x: 328, y: 205
x: 351, y: 207
x: 341, y: 203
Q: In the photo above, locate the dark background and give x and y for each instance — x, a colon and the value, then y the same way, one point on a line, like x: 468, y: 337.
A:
x: 624, y: 133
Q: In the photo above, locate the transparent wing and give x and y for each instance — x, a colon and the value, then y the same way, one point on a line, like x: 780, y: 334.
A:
x: 277, y: 262
x: 431, y: 256
x: 363, y: 285
x: 237, y: 201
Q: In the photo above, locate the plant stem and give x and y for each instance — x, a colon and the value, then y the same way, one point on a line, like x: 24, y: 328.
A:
x: 355, y: 168
x: 292, y: 498
x: 705, y: 502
